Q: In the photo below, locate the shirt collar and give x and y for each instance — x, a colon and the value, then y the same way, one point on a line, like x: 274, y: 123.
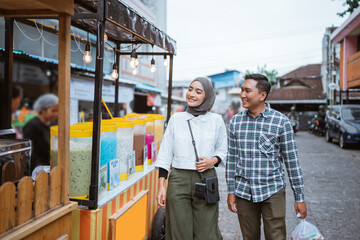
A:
x: 203, y: 117
x: 264, y: 113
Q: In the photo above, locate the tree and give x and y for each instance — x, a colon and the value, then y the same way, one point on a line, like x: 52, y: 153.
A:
x: 270, y: 74
x: 351, y: 4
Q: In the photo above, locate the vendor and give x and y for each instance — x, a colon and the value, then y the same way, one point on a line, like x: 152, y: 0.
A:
x: 38, y: 129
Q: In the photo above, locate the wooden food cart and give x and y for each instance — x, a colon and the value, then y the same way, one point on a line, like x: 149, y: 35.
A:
x: 128, y: 211
x: 39, y: 210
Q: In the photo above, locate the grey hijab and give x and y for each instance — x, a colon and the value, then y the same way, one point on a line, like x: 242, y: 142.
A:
x: 209, y: 99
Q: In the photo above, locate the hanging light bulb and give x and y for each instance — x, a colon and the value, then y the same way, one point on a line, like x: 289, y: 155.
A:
x: 133, y: 59
x: 114, y: 74
x: 134, y: 71
x: 105, y: 37
x: 153, y: 68
x: 87, y: 56
x: 165, y: 61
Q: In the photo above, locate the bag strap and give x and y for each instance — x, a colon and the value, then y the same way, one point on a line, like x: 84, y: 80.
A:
x: 196, y: 154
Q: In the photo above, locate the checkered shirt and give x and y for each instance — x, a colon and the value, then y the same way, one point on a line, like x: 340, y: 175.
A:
x: 257, y: 149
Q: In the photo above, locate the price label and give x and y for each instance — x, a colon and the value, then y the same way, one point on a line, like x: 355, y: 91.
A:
x: 153, y: 151
x: 145, y: 156
x: 131, y: 162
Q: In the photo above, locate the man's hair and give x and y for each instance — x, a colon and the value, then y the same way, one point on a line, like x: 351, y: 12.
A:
x: 263, y: 84
x: 16, y: 91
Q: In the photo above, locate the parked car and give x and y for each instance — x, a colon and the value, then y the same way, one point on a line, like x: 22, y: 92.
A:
x: 343, y: 124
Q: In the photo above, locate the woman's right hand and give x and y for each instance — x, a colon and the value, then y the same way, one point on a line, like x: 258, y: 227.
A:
x: 161, y: 197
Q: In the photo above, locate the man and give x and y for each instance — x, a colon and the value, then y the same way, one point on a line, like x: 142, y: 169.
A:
x: 260, y: 140
x: 293, y: 114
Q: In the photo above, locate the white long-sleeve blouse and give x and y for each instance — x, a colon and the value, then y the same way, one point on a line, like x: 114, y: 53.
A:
x: 176, y: 148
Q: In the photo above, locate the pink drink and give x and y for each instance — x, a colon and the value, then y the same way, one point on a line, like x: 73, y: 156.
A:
x: 148, y: 140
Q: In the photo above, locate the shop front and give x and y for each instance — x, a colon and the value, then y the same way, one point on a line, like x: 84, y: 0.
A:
x: 116, y: 208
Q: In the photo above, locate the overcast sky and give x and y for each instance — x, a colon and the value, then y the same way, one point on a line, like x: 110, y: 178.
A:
x: 214, y: 35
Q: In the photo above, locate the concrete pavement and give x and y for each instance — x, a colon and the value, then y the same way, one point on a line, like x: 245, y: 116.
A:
x: 332, y: 191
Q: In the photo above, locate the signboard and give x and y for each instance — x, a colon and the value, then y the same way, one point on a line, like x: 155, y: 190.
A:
x: 83, y: 90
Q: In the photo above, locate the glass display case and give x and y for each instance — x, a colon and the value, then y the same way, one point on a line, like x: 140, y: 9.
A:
x: 14, y: 159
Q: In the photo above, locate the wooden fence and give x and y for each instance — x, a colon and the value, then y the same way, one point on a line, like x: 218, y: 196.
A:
x: 29, y: 200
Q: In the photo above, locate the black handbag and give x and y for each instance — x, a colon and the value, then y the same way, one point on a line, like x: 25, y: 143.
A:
x: 208, y: 188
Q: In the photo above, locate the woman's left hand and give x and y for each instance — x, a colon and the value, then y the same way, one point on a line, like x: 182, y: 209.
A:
x: 205, y: 163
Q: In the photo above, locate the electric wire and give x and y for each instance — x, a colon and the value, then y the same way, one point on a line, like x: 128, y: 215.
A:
x: 31, y: 39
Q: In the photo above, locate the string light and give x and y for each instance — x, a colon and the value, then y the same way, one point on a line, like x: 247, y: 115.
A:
x: 165, y: 61
x: 134, y: 71
x: 114, y: 74
x: 152, y: 62
x: 153, y: 68
x: 133, y: 61
x: 87, y: 56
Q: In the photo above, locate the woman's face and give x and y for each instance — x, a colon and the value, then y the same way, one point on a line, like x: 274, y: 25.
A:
x: 195, y: 94
x: 50, y: 114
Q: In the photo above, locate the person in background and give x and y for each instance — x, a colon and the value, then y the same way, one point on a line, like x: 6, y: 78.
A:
x: 261, y: 141
x: 17, y: 93
x: 38, y: 129
x: 188, y: 216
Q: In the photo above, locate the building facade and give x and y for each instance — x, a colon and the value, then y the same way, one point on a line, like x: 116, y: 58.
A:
x: 35, y: 65
x: 348, y: 36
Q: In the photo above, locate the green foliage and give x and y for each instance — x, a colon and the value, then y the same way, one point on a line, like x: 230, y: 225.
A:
x: 270, y: 74
x: 351, y: 4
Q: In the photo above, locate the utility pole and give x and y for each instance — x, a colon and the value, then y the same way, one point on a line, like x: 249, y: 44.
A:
x: 333, y: 73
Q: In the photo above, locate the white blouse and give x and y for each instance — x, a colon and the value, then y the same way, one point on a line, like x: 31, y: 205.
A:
x: 176, y: 148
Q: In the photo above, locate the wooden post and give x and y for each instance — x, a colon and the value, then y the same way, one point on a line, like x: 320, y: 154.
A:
x: 6, y: 82
x: 170, y: 89
x: 64, y: 103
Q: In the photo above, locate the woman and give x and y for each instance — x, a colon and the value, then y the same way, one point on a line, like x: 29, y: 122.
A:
x: 187, y: 216
x: 38, y: 129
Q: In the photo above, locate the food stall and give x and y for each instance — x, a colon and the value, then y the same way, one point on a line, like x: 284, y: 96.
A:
x: 34, y: 209
x: 126, y: 211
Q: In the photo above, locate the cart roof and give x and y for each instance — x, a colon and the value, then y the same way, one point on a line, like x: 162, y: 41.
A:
x: 123, y: 24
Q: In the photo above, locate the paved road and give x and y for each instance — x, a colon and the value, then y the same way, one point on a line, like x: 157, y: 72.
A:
x: 332, y: 191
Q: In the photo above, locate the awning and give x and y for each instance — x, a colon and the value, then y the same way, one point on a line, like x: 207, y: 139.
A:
x: 148, y: 88
x: 234, y: 91
x: 174, y: 98
x: 306, y: 101
x: 123, y: 24
x: 41, y: 7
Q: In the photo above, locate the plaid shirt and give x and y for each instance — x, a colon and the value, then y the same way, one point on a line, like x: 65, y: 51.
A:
x: 257, y: 149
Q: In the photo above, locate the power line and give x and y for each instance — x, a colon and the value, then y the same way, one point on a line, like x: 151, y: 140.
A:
x: 238, y: 63
x: 248, y: 39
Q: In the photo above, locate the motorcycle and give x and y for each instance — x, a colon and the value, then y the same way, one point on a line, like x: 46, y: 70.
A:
x: 294, y: 124
x: 317, y: 125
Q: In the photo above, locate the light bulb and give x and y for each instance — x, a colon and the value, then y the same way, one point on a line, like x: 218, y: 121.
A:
x: 87, y: 56
x: 132, y: 63
x: 133, y: 59
x: 114, y: 74
x: 105, y: 37
x: 134, y: 71
x: 153, y: 68
x: 165, y: 61
x: 136, y: 62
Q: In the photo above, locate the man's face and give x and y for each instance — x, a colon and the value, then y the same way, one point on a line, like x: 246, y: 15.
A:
x: 250, y: 95
x: 51, y: 114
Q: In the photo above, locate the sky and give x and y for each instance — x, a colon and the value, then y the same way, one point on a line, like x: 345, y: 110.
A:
x: 213, y: 36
